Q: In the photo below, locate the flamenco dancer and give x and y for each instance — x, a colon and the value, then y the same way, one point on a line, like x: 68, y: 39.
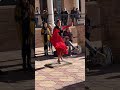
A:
x: 57, y: 40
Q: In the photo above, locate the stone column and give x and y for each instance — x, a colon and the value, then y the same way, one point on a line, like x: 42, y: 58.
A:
x: 81, y: 36
x: 76, y: 4
x: 83, y: 10
x: 50, y: 12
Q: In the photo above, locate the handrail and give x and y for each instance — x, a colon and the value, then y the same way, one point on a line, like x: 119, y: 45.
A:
x: 77, y: 19
x: 61, y: 14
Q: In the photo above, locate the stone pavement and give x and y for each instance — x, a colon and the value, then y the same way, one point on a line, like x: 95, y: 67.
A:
x: 14, y: 78
x: 104, y: 78
x: 67, y: 77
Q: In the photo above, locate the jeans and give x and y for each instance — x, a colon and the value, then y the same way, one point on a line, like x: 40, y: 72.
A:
x: 36, y: 22
x: 45, y: 44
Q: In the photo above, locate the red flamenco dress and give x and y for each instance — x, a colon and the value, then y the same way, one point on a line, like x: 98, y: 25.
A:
x: 58, y: 42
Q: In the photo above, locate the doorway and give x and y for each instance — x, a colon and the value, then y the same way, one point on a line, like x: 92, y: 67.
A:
x: 43, y: 5
x: 58, y: 5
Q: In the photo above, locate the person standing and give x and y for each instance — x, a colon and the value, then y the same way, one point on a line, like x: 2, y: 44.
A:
x: 26, y: 34
x: 44, y: 16
x: 64, y: 17
x: 72, y: 14
x: 37, y: 12
x: 77, y: 15
x: 49, y: 36
x: 45, y: 33
x: 55, y: 14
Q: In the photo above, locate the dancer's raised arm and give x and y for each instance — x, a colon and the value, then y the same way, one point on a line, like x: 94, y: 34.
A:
x: 64, y: 27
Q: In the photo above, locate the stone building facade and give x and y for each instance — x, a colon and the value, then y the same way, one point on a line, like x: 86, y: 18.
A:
x: 109, y: 18
x: 9, y: 39
x: 59, y: 5
x: 8, y: 33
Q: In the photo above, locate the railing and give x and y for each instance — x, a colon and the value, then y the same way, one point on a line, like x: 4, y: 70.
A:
x: 66, y: 19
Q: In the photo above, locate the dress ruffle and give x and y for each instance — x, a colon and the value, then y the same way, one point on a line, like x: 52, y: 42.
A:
x: 58, y: 42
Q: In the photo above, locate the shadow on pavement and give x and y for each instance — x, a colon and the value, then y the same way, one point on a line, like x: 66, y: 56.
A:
x: 14, y: 76
x: 42, y: 58
x: 114, y: 77
x: 77, y: 86
x: 40, y: 68
x: 10, y: 66
x: 9, y: 60
x: 104, y: 70
x: 17, y: 80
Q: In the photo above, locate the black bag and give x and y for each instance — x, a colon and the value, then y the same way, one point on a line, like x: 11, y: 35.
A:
x: 55, y: 54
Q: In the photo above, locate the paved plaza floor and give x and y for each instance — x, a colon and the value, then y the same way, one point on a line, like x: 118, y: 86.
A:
x: 103, y: 78
x: 64, y: 77
x: 60, y: 77
x: 14, y: 78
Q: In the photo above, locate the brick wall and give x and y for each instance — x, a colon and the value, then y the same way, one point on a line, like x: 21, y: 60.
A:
x: 8, y: 33
x: 38, y: 38
x: 81, y: 36
x: 110, y: 13
x: 93, y: 12
x: 68, y: 4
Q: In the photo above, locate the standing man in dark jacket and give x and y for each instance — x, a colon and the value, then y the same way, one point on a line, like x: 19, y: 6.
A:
x: 55, y: 14
x: 64, y: 17
x: 45, y: 16
x: 72, y: 14
x: 26, y: 34
x: 77, y: 15
x: 45, y: 32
